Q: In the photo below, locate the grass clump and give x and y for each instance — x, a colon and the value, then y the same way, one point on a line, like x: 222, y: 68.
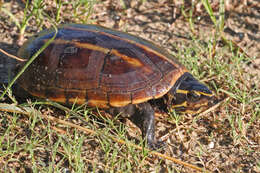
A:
x: 227, y: 138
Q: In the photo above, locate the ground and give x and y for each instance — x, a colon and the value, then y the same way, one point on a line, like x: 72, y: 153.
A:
x: 224, y: 140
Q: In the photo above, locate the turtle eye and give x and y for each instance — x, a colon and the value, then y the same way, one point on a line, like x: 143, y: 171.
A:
x: 193, y: 96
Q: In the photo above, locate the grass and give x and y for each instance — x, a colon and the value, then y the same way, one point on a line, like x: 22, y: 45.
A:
x: 230, y: 133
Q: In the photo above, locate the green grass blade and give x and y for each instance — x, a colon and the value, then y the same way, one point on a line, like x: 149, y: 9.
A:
x: 210, y: 11
x: 29, y: 62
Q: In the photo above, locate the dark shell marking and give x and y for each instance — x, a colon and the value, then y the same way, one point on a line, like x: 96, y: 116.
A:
x: 88, y: 63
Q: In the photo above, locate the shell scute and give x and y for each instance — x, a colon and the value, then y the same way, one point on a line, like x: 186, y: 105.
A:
x: 88, y: 63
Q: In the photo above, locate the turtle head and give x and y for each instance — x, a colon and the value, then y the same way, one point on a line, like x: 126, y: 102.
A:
x: 190, y: 96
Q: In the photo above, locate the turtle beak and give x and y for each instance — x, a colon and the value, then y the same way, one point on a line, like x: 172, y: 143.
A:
x: 213, y: 101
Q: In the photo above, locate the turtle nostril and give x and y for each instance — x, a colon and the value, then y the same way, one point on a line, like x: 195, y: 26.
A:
x: 213, y: 101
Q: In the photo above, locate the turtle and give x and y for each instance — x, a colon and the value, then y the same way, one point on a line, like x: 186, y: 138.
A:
x: 111, y: 70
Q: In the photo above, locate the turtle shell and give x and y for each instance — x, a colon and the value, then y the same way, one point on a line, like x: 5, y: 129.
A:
x: 99, y: 66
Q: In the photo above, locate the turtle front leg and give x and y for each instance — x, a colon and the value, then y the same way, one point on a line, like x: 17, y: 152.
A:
x: 143, y: 116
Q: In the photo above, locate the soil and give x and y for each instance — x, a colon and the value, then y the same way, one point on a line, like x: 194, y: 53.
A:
x: 157, y: 21
x: 163, y: 23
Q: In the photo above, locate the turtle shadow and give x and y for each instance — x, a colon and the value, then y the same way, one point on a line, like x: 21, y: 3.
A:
x: 7, y: 64
x: 8, y: 70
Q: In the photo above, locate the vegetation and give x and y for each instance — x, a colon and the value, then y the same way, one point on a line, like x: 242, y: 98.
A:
x: 41, y: 136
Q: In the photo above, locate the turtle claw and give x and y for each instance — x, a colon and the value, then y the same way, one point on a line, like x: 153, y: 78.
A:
x: 158, y: 145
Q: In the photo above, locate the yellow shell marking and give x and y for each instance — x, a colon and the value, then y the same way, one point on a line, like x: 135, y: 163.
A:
x: 134, y: 62
x: 92, y: 47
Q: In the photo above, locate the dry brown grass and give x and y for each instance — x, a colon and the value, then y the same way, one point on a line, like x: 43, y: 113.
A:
x: 226, y: 139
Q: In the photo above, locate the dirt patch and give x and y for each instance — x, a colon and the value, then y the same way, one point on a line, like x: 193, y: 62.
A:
x: 164, y: 24
x: 160, y: 22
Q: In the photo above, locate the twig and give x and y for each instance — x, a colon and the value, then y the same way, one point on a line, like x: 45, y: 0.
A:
x: 12, y: 56
x: 213, y: 107
x: 27, y: 111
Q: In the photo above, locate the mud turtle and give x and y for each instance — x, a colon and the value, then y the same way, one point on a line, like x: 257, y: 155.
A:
x: 112, y: 70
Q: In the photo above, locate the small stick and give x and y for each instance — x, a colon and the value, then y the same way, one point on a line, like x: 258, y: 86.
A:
x: 12, y: 108
x: 12, y: 56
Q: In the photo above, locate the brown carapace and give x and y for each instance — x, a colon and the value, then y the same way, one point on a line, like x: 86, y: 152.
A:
x: 112, y: 70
